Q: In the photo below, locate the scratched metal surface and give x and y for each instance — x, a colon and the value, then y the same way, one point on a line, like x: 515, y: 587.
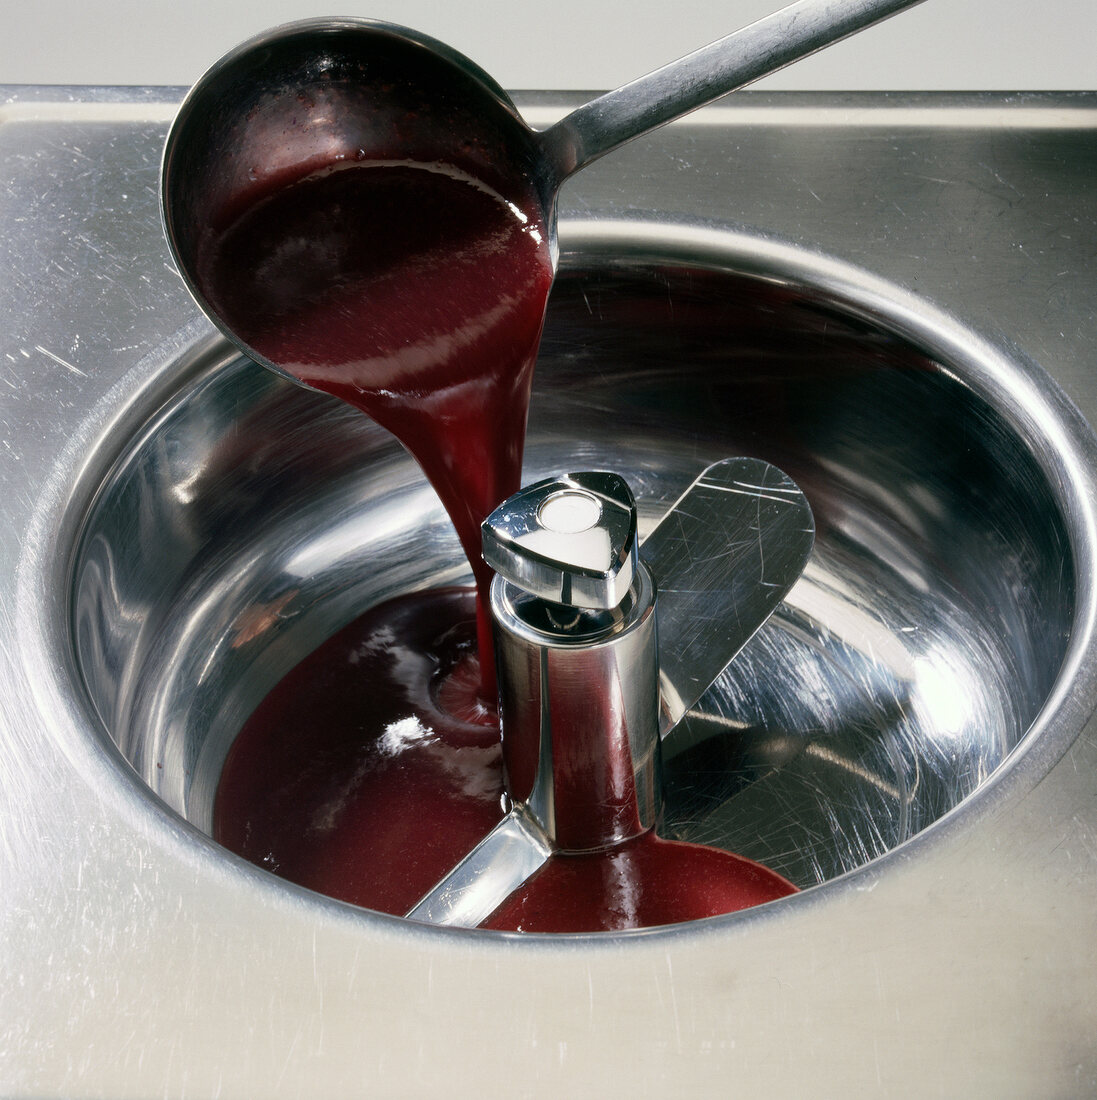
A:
x: 948, y: 610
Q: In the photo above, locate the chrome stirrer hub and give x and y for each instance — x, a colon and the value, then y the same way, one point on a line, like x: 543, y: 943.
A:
x: 574, y: 612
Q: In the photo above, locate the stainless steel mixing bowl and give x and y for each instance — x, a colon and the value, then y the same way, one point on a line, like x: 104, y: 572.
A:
x: 246, y: 521
x: 889, y: 297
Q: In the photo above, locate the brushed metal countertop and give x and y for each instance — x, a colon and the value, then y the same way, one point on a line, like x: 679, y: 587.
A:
x: 136, y: 961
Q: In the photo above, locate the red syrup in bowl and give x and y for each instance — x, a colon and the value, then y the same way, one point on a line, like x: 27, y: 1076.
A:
x: 417, y: 294
x: 356, y: 778
x: 353, y: 777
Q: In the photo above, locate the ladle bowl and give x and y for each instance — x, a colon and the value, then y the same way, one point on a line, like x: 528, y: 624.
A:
x: 302, y: 97
x: 322, y: 92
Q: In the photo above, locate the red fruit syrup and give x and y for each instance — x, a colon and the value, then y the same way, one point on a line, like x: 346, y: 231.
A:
x: 417, y: 294
x: 645, y: 881
x: 353, y: 777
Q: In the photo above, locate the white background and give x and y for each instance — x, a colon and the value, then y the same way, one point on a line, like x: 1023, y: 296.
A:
x: 943, y: 44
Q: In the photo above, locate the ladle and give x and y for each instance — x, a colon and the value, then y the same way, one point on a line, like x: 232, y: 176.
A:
x: 317, y: 90
x: 437, y: 340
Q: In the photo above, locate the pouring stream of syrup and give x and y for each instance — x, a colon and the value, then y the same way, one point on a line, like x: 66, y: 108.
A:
x: 414, y: 292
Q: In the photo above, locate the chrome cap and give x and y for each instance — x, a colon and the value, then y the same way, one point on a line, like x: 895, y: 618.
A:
x: 569, y: 539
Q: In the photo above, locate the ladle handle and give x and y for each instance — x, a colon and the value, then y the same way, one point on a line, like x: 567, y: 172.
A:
x: 744, y: 56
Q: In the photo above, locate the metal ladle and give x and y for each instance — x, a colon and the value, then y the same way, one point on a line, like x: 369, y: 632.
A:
x: 304, y: 95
